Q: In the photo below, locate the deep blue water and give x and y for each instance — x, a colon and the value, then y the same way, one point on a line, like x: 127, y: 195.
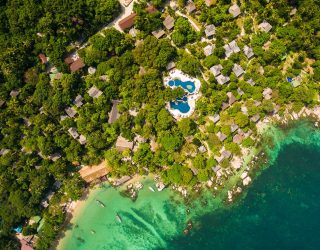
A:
x: 280, y: 210
x: 181, y: 104
x: 188, y: 86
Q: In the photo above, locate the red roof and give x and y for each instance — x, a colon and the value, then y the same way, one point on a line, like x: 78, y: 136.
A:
x: 43, y: 58
x: 68, y: 60
x: 76, y: 65
x: 128, y: 21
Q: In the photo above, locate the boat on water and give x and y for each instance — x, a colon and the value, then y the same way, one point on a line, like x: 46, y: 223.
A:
x: 93, y: 232
x: 118, y: 218
x: 151, y: 189
x: 100, y: 203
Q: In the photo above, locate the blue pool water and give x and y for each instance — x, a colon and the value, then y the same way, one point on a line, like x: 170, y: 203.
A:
x: 187, y: 85
x: 181, y: 104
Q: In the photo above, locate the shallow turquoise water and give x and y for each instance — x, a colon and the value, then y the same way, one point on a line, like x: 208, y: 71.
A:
x: 188, y: 86
x: 280, y: 210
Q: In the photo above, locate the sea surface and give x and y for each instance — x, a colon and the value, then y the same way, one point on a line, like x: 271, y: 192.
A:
x: 279, y: 210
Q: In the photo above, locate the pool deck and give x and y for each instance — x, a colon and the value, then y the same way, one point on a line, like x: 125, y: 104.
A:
x: 192, y: 97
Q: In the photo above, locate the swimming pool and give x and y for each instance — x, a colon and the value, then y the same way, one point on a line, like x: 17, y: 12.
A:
x: 187, y: 85
x: 180, y: 104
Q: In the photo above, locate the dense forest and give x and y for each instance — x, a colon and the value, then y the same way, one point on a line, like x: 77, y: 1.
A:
x: 34, y: 126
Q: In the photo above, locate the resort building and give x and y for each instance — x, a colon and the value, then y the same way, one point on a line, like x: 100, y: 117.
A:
x: 231, y: 98
x: 231, y: 47
x: 133, y: 32
x: 255, y: 118
x: 82, y: 139
x: 54, y: 157
x: 237, y: 70
x: 91, y: 70
x: 173, y: 5
x: 267, y: 93
x: 208, y: 50
x: 234, y: 127
x: 240, y: 91
x: 215, y: 118
x: 78, y: 101
x: 77, y: 65
x: 43, y: 59
x: 265, y: 26
x: 94, y: 92
x: 210, y: 30
x: 221, y: 79
x: 14, y: 93
x: 170, y: 66
x: 71, y: 112
x: 237, y: 139
x: 248, y: 51
x: 168, y: 22
x: 158, y: 33
x: 91, y: 173
x: 73, y: 132
x: 122, y: 180
x: 123, y: 144
x: 114, y: 113
x: 234, y: 10
x: 209, y: 2
x: 251, y: 82
x: 216, y: 69
x: 191, y: 7
x: 221, y: 136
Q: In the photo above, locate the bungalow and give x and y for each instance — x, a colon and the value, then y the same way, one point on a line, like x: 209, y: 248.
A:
x: 231, y: 47
x: 94, y: 92
x: 92, y: 70
x: 237, y: 139
x: 244, y: 110
x: 54, y: 157
x: 209, y: 2
x: 127, y: 22
x: 42, y: 57
x: 208, y: 50
x: 238, y: 70
x: 158, y: 33
x: 191, y: 7
x: 171, y: 65
x: 234, y: 10
x: 248, y: 51
x: 210, y: 30
x: 251, y: 82
x: 91, y: 173
x: 255, y: 118
x: 265, y: 26
x: 46, y: 199
x: 173, y: 5
x: 71, y: 112
x: 82, y: 139
x: 123, y: 144
x: 194, y: 170
x: 221, y: 136
x: 114, y: 113
x: 234, y: 127
x: 221, y: 79
x: 219, y: 158
x: 215, y: 118
x: 216, y: 168
x: 168, y: 22
x: 133, y: 32
x: 257, y: 103
x: 267, y: 93
x: 240, y: 91
x: 76, y: 65
x: 231, y: 97
x: 202, y: 149
x: 226, y: 154
x: 73, y: 132
x: 224, y: 106
x: 14, y: 93
x: 78, y: 101
x: 216, y: 69
x: 1, y: 102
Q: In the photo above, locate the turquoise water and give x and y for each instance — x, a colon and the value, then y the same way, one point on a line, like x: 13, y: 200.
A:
x: 181, y: 104
x: 188, y: 86
x: 280, y: 210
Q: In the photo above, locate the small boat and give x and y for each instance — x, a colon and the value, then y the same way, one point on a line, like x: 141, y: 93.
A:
x: 151, y: 189
x: 92, y: 231
x: 100, y: 203
x: 118, y: 218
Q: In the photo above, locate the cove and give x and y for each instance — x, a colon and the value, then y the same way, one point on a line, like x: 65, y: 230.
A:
x: 280, y: 210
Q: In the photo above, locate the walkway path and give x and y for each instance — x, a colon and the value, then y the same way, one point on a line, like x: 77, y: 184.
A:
x: 195, y: 26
